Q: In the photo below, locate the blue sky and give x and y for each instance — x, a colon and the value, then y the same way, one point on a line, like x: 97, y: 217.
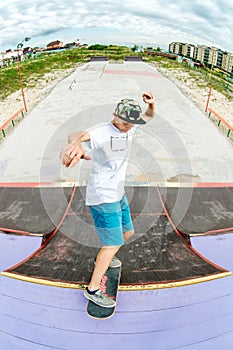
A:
x: 147, y: 23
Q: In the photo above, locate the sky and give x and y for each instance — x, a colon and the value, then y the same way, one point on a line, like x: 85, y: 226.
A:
x: 129, y: 22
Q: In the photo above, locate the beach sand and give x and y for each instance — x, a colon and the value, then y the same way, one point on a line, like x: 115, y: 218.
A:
x: 188, y: 85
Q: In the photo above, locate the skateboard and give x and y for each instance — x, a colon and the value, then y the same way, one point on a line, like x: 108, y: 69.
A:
x: 109, y: 286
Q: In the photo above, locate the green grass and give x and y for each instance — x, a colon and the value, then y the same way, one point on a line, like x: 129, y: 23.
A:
x: 203, y: 77
x: 34, y: 70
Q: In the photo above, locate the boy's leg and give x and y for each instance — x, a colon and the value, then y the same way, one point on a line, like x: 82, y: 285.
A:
x: 103, y: 261
x: 127, y: 224
x: 110, y: 222
x: 107, y: 220
x: 128, y: 234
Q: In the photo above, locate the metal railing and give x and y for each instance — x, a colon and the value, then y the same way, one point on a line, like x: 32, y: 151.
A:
x: 220, y: 120
x: 11, y: 120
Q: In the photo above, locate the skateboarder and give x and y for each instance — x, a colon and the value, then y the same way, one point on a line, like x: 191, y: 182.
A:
x: 111, y: 143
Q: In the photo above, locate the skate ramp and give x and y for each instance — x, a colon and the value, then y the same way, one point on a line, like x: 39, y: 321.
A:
x: 32, y: 210
x: 200, y: 210
x: 157, y: 256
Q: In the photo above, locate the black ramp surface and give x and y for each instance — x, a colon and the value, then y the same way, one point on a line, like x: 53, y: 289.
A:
x: 133, y: 58
x: 200, y: 209
x: 158, y: 254
x: 99, y: 58
x: 36, y: 210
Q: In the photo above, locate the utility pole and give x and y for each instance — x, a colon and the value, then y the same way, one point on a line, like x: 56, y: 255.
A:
x: 20, y: 46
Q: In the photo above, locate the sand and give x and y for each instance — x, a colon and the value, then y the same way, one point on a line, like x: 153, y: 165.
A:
x: 33, y: 96
x: 189, y: 86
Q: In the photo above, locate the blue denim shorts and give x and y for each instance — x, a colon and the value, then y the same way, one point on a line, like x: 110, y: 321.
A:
x: 111, y: 221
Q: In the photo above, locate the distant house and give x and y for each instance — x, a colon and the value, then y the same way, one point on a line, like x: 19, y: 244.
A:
x: 54, y: 45
x: 9, y: 54
x: 83, y: 46
x: 39, y: 49
x: 70, y: 45
x: 8, y: 57
x: 1, y: 58
x: 27, y: 50
x: 159, y: 53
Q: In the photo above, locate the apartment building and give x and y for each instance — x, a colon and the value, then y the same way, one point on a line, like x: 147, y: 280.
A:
x: 201, y: 53
x: 215, y: 57
x: 227, y: 62
x: 176, y: 48
x: 182, y: 49
x: 188, y: 50
x: 211, y: 56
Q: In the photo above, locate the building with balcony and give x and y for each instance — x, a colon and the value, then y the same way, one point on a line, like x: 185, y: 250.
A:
x: 201, y: 53
x: 211, y: 56
x: 176, y: 48
x: 215, y: 57
x: 188, y: 50
x: 227, y: 62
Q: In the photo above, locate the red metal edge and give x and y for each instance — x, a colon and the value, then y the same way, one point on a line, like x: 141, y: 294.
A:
x: 17, y: 232
x: 25, y: 184
x: 227, y: 230
x: 212, y: 184
x: 7, y: 122
x: 179, y: 184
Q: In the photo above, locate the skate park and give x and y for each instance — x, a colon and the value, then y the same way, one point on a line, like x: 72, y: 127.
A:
x: 176, y: 283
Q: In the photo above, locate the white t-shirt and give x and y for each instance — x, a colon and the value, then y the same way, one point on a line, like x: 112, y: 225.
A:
x: 111, y: 150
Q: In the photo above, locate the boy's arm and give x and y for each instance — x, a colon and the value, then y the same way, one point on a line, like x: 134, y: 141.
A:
x: 73, y: 152
x: 149, y: 98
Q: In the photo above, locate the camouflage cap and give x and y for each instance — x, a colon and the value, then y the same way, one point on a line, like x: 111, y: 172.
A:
x: 129, y: 111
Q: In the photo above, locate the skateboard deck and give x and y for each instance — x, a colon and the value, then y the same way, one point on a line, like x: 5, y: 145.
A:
x: 109, y: 286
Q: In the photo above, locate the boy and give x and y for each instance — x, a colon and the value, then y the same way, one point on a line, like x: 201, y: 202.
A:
x: 105, y: 196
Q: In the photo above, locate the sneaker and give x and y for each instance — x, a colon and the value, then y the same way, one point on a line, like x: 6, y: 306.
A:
x: 114, y: 263
x: 99, y: 298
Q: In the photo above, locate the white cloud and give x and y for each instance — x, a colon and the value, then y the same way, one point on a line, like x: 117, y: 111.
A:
x: 155, y: 21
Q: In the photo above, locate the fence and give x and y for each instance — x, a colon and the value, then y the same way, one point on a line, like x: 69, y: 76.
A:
x: 11, y: 121
x: 220, y: 120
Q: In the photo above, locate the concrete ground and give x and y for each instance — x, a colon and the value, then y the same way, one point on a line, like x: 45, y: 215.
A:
x: 179, y: 145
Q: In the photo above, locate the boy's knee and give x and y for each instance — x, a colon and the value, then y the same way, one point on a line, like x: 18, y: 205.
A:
x: 128, y: 234
x: 131, y: 233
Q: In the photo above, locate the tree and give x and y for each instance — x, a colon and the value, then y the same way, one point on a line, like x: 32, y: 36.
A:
x: 97, y: 47
x: 135, y: 48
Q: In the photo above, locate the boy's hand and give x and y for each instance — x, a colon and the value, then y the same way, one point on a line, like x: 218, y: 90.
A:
x: 148, y: 97
x: 71, y: 154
